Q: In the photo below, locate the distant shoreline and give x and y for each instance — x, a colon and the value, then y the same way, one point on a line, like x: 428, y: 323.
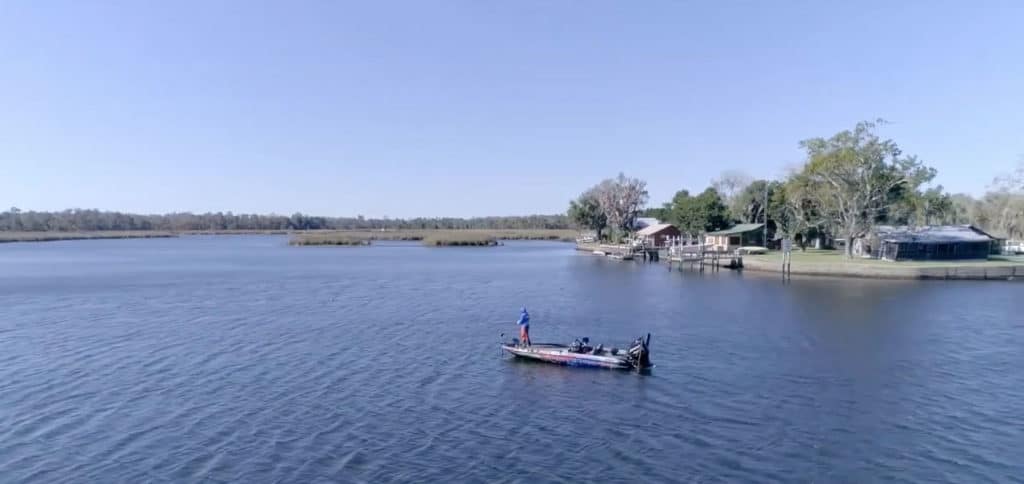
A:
x: 430, y: 238
x: 56, y: 236
x: 362, y: 235
x: 22, y: 237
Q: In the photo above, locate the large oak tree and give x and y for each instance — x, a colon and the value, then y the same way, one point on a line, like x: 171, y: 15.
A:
x: 854, y: 177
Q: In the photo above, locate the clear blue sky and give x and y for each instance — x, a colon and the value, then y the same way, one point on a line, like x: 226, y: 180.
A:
x: 464, y: 108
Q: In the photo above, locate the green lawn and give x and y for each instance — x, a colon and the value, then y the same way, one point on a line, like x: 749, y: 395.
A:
x: 832, y: 257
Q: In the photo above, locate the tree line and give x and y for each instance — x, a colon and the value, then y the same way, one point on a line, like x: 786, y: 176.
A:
x: 75, y: 220
x: 847, y: 184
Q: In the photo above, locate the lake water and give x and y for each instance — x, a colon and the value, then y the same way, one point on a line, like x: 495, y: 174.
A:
x: 240, y: 359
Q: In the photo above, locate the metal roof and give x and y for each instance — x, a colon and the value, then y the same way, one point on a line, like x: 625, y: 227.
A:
x: 653, y: 229
x: 738, y: 229
x: 932, y: 234
x: 642, y: 222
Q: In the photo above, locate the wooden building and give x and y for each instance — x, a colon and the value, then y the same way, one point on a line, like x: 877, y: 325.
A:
x: 741, y: 235
x: 937, y: 242
x: 657, y: 235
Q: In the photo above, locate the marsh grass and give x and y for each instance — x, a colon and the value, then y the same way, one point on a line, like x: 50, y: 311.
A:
x: 433, y: 238
x: 458, y: 239
x: 58, y: 236
x: 329, y: 238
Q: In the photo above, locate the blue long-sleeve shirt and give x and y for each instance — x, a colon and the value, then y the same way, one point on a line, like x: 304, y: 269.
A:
x: 524, y: 319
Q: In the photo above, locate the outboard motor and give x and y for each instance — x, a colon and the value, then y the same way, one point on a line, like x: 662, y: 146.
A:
x: 640, y: 353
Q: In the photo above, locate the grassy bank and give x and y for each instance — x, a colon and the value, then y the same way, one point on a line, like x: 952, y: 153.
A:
x: 6, y: 237
x: 329, y: 238
x: 554, y: 235
x: 456, y: 239
x: 833, y: 263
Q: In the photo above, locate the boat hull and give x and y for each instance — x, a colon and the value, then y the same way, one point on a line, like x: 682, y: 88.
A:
x: 560, y: 355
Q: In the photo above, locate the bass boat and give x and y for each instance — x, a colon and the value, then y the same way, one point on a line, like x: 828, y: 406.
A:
x: 581, y: 353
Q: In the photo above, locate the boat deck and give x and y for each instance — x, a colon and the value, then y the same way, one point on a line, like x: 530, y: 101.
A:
x: 560, y: 354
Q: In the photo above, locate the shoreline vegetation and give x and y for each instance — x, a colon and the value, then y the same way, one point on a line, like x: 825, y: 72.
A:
x: 12, y: 237
x: 328, y: 239
x: 91, y: 220
x: 56, y: 236
x: 18, y: 225
x: 444, y: 237
x: 459, y: 240
x: 431, y: 238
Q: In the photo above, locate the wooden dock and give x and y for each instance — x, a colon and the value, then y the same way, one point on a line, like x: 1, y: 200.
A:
x: 711, y: 260
x: 699, y: 258
x: 694, y: 257
x: 621, y: 251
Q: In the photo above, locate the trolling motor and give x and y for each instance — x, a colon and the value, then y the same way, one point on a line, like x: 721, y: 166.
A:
x: 514, y: 341
x: 640, y: 353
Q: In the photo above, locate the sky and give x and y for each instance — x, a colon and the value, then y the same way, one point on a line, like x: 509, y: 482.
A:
x: 469, y: 108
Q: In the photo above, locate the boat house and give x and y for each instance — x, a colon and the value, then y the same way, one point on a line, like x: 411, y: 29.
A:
x: 657, y: 235
x: 729, y: 240
x: 937, y: 242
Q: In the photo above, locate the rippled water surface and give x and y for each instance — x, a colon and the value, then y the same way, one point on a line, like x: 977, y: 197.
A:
x: 240, y: 359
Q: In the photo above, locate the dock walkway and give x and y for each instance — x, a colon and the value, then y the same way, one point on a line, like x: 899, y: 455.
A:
x: 693, y: 256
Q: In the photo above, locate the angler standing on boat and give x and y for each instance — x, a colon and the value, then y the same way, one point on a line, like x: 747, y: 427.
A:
x: 524, y: 327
